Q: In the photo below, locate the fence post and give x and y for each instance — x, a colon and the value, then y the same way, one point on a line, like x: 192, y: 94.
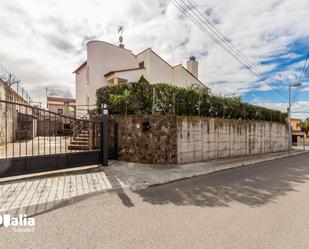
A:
x: 104, y: 136
x: 116, y: 140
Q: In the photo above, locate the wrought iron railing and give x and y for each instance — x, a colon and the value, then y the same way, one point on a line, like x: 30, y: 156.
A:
x: 31, y: 131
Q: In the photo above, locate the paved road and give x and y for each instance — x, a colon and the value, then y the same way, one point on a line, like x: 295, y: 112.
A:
x: 262, y: 206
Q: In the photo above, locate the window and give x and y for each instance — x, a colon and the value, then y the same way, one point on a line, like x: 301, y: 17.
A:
x: 141, y: 64
x: 60, y: 111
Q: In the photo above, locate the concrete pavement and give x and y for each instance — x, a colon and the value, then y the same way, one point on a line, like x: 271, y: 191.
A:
x: 139, y: 176
x: 263, y: 206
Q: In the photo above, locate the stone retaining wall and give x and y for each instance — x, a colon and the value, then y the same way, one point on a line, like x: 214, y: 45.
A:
x: 156, y: 145
x: 172, y: 139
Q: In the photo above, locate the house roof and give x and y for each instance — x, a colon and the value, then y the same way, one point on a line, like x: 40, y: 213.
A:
x: 123, y: 70
x: 155, y: 55
x: 111, y: 44
x: 60, y: 99
x: 80, y: 67
x: 180, y: 65
x: 170, y: 65
x: 131, y: 69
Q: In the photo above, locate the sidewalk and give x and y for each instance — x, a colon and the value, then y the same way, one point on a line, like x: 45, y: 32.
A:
x: 37, y: 195
x: 139, y: 176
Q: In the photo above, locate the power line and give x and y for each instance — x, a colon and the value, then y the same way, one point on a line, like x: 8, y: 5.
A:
x: 239, y: 57
x: 234, y: 53
x: 302, y: 76
x: 225, y: 40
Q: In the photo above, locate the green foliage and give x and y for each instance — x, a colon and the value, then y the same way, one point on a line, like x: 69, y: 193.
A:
x: 142, y: 80
x: 304, y: 125
x: 137, y: 98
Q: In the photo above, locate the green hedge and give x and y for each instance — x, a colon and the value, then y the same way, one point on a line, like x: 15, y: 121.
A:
x: 143, y: 98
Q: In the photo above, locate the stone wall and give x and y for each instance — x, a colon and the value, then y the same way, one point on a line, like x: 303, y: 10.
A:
x: 138, y: 144
x: 15, y: 126
x: 6, y: 124
x: 200, y: 138
x: 8, y: 113
x: 172, y: 139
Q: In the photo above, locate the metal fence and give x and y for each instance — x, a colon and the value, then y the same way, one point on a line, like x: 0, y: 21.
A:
x: 30, y: 131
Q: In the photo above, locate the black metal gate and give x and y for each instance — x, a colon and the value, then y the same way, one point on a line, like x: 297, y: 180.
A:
x: 33, y: 139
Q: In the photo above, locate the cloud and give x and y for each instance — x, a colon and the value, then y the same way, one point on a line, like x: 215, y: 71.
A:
x: 299, y: 109
x: 44, y: 41
x: 305, y: 89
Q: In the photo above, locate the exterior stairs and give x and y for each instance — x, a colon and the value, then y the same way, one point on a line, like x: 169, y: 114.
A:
x: 80, y: 141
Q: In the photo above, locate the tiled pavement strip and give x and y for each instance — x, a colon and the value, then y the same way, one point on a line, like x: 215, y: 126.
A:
x: 37, y: 195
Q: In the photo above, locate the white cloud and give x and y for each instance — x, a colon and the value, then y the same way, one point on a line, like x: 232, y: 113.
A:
x: 44, y: 41
x: 299, y: 109
x: 306, y: 89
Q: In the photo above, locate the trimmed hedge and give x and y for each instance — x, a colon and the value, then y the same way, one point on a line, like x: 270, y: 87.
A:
x: 163, y: 99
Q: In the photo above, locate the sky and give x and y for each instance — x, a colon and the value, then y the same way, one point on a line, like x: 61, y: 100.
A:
x: 42, y: 42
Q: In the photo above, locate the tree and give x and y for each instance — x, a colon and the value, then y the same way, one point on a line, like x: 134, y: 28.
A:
x: 304, y: 125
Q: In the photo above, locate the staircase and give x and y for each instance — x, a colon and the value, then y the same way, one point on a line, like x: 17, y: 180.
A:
x: 80, y: 141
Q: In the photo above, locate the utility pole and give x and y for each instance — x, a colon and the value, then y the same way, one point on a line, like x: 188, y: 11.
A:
x: 304, y: 141
x: 46, y: 92
x: 289, y: 114
x: 153, y: 100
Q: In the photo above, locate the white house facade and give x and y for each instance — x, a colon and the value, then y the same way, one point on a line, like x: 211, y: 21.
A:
x: 108, y: 64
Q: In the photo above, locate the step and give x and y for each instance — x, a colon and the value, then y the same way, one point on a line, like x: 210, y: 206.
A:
x: 82, y: 135
x: 85, y: 139
x: 79, y: 142
x: 78, y: 147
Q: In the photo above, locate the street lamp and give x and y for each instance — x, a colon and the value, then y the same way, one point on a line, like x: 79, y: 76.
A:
x: 104, y: 108
x: 289, y: 114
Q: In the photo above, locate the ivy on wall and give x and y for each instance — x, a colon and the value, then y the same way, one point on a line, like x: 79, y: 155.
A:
x: 164, y: 99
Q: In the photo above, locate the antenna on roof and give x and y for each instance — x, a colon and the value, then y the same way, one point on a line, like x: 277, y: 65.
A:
x: 120, y: 31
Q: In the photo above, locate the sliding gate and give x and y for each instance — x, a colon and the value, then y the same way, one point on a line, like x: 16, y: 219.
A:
x: 33, y: 139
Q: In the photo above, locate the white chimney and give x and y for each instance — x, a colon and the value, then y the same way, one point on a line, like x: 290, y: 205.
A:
x: 192, y: 66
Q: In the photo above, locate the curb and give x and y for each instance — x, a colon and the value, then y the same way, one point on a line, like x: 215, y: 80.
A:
x: 139, y: 187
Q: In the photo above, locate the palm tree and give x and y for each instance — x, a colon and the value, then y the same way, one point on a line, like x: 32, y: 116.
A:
x: 304, y: 125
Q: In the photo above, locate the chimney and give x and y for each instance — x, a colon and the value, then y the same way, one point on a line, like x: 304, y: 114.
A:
x: 121, y: 45
x: 192, y: 66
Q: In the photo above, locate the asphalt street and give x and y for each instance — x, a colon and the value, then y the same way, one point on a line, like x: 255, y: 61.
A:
x: 261, y: 206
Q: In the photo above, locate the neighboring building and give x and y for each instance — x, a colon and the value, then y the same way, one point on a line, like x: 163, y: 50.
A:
x: 15, y: 123
x: 63, y: 106
x: 296, y: 131
x: 55, y: 124
x: 9, y: 94
x: 108, y: 64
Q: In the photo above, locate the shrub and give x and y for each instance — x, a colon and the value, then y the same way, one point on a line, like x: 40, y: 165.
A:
x: 163, y: 99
